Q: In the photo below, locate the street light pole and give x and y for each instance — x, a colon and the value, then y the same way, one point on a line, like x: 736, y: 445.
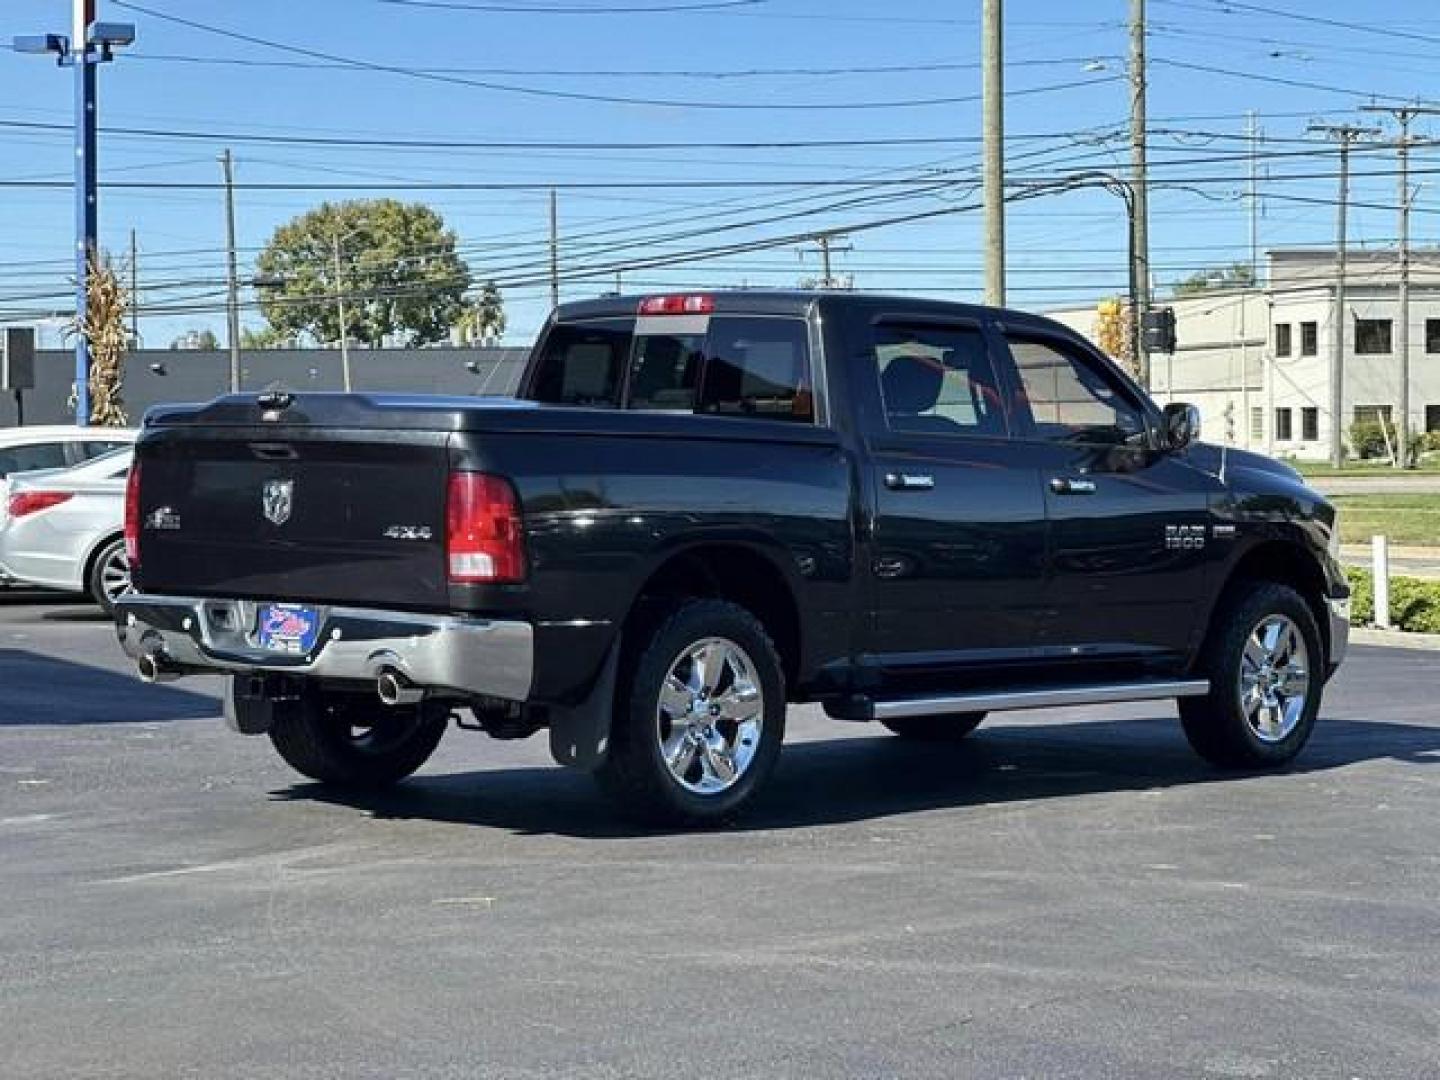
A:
x: 87, y: 207
x: 90, y: 44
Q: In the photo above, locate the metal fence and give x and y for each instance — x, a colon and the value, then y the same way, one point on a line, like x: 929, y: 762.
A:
x: 159, y: 376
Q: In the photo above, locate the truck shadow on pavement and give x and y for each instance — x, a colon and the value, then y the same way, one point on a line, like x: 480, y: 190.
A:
x: 858, y: 779
x: 38, y: 691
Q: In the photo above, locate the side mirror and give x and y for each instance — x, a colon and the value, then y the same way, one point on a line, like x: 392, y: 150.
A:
x: 1182, y: 425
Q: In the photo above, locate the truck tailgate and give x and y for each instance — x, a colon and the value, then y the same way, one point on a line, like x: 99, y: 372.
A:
x: 295, y: 513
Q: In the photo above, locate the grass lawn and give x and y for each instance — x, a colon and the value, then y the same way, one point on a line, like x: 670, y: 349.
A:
x: 1412, y: 520
x: 1316, y: 468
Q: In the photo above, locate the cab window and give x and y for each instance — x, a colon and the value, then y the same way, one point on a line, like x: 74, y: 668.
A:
x: 1070, y: 399
x: 758, y: 368
x: 937, y: 381
x: 582, y: 364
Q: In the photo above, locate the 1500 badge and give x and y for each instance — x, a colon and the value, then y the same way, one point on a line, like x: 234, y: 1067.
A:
x: 1184, y: 537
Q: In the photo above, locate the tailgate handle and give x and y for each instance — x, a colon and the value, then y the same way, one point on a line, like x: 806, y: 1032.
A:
x: 274, y: 451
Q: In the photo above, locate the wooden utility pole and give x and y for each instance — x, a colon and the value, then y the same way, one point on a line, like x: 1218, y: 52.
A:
x: 1139, y: 183
x: 1346, y: 135
x: 1403, y: 114
x: 554, y: 251
x: 992, y: 137
x: 232, y: 279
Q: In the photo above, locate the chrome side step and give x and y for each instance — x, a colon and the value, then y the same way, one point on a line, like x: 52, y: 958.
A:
x: 1050, y: 697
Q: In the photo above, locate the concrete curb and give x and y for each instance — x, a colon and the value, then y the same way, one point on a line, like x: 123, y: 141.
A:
x: 1395, y: 639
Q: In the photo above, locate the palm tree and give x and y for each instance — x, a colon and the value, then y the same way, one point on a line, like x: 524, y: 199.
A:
x: 483, y: 321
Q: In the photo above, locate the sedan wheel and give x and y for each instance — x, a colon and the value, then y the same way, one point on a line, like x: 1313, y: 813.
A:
x: 110, y: 576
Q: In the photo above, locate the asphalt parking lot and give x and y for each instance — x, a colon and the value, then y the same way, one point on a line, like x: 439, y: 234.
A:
x: 1046, y: 900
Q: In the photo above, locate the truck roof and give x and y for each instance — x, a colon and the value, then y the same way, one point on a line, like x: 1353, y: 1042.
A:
x: 796, y: 302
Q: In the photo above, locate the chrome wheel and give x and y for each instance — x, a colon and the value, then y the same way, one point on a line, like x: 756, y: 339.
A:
x: 709, y: 716
x: 1274, y: 678
x: 114, y: 576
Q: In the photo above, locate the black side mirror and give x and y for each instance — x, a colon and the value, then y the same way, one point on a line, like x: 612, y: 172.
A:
x: 1182, y: 425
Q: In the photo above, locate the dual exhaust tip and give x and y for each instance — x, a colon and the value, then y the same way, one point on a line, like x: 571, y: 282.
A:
x: 391, y: 685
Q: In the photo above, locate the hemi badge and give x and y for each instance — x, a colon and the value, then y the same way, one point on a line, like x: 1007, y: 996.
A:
x: 1223, y: 532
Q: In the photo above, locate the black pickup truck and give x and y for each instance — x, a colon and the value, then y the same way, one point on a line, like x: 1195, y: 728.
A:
x: 701, y: 508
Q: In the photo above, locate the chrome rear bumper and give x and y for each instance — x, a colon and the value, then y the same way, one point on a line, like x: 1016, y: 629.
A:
x: 1339, y: 611
x: 440, y: 653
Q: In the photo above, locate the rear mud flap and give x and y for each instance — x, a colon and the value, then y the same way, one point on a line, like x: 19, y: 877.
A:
x: 580, y: 736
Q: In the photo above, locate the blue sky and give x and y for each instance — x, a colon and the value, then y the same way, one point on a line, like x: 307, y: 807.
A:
x: 543, y: 60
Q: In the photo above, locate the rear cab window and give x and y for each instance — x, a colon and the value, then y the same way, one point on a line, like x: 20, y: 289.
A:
x: 757, y: 367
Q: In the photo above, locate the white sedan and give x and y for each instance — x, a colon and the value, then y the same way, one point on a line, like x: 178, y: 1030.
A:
x: 64, y: 528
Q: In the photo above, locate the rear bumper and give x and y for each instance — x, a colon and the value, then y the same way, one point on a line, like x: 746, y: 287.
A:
x: 440, y: 653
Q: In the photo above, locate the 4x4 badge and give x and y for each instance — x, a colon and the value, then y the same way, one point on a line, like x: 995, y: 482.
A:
x: 277, y: 499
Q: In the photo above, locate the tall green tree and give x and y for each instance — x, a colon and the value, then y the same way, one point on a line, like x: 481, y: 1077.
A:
x: 483, y: 321
x: 1235, y: 276
x: 393, y: 264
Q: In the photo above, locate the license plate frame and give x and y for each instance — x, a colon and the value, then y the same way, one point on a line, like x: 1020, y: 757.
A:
x: 287, y: 629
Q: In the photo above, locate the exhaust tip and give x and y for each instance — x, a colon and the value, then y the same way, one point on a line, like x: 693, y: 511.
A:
x: 395, y: 689
x: 156, y: 668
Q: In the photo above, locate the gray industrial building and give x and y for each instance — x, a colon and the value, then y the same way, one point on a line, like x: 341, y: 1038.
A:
x: 158, y: 376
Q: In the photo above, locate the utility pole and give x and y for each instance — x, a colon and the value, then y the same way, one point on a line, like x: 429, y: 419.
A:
x: 344, y: 330
x: 992, y: 122
x: 1346, y: 135
x: 232, y: 301
x: 1245, y: 300
x: 1403, y: 114
x: 825, y: 242
x: 554, y: 251
x: 134, y: 291
x: 1139, y: 182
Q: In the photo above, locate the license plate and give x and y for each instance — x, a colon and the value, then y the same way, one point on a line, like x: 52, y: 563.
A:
x: 287, y: 628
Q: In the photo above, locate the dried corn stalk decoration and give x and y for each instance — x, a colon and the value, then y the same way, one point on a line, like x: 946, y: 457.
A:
x: 106, y: 309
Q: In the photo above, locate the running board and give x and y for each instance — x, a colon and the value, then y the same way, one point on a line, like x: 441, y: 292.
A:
x: 1052, y: 697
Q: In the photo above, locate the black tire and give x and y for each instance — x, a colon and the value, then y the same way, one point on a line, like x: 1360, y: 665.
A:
x: 100, y: 567
x: 353, y: 740
x: 634, y: 771
x: 1216, y: 725
x: 938, y: 728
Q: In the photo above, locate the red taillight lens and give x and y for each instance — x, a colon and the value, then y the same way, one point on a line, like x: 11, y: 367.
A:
x: 29, y: 502
x: 485, y: 538
x: 693, y: 304
x: 132, y: 516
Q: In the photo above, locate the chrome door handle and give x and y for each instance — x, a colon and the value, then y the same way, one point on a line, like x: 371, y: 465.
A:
x: 903, y: 481
x: 1061, y: 485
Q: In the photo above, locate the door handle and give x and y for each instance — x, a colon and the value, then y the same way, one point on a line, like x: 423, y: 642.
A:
x: 1061, y: 485
x: 903, y: 481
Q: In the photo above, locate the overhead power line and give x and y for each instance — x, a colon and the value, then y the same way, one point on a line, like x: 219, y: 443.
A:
x: 575, y: 95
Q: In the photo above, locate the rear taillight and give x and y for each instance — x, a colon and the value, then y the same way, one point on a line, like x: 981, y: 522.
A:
x: 484, y: 535
x: 30, y: 502
x: 680, y: 304
x: 132, y: 516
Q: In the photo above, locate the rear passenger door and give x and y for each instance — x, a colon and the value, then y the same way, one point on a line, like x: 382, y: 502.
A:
x: 957, y: 530
x: 1128, y: 520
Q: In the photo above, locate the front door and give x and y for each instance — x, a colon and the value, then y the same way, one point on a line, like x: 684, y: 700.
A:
x: 1129, y: 521
x: 956, y: 554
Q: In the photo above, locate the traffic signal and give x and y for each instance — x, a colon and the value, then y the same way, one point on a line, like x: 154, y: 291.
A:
x: 1158, y: 330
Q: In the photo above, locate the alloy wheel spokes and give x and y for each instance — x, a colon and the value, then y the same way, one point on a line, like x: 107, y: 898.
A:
x: 709, y: 716
x: 1274, y: 681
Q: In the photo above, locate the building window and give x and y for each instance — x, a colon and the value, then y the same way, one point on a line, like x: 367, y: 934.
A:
x: 1432, y: 417
x: 1310, y: 424
x: 1257, y: 424
x: 1282, y: 339
x: 1309, y: 338
x: 1283, y: 431
x: 1432, y: 336
x: 1372, y: 414
x: 1372, y: 337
